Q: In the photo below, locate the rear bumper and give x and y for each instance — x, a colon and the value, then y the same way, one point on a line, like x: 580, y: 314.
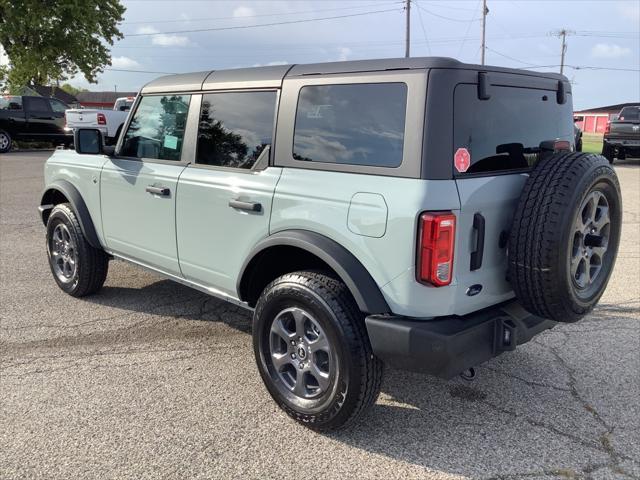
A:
x: 623, y: 142
x: 447, y: 346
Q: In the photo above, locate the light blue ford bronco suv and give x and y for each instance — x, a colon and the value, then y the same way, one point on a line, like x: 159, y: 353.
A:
x: 420, y: 213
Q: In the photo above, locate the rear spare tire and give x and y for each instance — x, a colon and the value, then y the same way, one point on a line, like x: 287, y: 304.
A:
x: 565, y: 234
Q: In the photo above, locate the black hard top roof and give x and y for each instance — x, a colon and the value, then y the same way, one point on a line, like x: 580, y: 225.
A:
x: 272, y: 76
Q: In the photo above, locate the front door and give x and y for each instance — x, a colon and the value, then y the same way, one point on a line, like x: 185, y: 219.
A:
x: 224, y: 197
x: 138, y: 186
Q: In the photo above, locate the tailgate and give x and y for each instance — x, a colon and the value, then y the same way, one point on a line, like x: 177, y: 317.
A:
x: 80, y: 118
x: 626, y: 130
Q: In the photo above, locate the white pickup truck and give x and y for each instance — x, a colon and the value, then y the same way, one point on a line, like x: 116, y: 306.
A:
x: 109, y: 122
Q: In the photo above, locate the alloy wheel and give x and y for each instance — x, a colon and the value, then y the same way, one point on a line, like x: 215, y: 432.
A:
x: 301, y: 353
x: 590, y: 240
x: 64, y: 255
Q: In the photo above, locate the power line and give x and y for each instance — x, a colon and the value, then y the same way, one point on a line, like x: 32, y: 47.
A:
x: 240, y: 27
x: 464, y: 39
x: 424, y: 31
x: 443, y: 16
x: 280, y: 14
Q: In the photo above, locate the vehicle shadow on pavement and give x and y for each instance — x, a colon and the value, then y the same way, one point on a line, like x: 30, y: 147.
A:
x: 524, y: 414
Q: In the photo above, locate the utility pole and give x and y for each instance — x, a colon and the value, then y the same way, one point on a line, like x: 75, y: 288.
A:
x: 407, y: 46
x: 485, y: 10
x: 563, y: 33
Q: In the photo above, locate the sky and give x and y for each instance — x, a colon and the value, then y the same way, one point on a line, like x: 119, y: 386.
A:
x: 602, y: 33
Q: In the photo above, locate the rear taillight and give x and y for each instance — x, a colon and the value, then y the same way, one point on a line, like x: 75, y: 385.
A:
x: 607, y: 129
x: 102, y: 120
x: 561, y: 145
x: 436, y: 237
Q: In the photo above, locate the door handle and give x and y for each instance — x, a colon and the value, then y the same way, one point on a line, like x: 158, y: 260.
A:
x: 477, y: 254
x: 163, y: 191
x: 250, y: 206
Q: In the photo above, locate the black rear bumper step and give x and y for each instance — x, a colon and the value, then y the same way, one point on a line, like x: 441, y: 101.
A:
x: 447, y: 346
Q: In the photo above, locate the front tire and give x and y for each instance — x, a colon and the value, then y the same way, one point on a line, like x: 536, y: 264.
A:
x: 313, y: 352
x: 5, y: 141
x: 78, y: 268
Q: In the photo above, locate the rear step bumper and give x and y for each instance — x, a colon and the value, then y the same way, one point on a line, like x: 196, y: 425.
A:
x: 447, y: 346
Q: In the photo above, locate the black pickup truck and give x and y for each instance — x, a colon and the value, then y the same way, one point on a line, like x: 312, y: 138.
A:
x: 32, y: 118
x: 622, y: 135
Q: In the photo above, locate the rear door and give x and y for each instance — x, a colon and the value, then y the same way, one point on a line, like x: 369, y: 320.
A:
x: 500, y: 138
x: 224, y: 196
x: 58, y: 108
x: 40, y: 117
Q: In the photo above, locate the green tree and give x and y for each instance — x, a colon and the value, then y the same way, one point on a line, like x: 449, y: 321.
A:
x: 52, y: 40
x: 71, y: 89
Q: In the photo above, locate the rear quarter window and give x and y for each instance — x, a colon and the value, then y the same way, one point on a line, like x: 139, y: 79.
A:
x: 356, y: 124
x: 504, y: 133
x: 10, y: 102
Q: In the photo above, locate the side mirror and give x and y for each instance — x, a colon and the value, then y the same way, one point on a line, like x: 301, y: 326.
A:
x: 88, y: 141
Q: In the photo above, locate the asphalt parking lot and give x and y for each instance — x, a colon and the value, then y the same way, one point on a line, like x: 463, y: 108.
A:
x: 150, y: 379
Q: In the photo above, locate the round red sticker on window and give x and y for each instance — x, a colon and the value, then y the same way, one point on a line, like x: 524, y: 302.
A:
x: 462, y: 160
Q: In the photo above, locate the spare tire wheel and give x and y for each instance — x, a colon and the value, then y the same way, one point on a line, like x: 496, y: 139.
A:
x: 564, y: 238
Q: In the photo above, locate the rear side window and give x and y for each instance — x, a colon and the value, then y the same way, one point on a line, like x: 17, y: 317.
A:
x: 629, y: 114
x: 357, y: 124
x: 235, y: 128
x: 505, y: 131
x: 10, y: 103
x: 157, y: 128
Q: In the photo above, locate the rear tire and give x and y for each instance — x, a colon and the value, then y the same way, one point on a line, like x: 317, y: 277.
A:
x: 312, y: 350
x: 5, y: 141
x: 78, y: 268
x: 608, y: 152
x: 565, y: 234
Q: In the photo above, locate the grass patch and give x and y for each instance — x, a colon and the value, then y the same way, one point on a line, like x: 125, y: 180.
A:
x: 591, y: 143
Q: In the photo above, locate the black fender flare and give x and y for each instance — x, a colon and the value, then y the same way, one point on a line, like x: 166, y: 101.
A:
x: 78, y: 204
x: 358, y: 280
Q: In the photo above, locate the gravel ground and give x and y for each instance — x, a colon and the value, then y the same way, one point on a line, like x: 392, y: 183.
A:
x: 150, y: 379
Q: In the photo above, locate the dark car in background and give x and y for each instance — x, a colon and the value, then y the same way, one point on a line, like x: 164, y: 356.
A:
x: 622, y: 135
x: 32, y: 119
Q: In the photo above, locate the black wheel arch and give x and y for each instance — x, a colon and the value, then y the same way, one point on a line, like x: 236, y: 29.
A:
x: 307, y: 249
x: 62, y: 191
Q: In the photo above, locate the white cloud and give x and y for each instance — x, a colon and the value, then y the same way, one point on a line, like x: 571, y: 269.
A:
x: 243, y: 11
x: 124, y: 62
x: 269, y: 64
x: 170, y: 40
x: 146, y: 30
x: 609, y: 50
x: 164, y: 40
x: 630, y: 11
x: 343, y: 53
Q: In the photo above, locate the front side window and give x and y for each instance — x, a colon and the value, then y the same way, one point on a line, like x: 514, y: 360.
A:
x: 235, y: 128
x: 357, y: 124
x: 157, y: 128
